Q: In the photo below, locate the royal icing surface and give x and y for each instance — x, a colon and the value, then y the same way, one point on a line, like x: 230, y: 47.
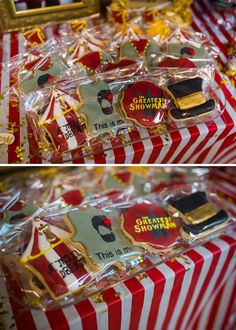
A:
x: 150, y: 225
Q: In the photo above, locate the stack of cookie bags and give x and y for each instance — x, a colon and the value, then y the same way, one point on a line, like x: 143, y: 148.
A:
x: 105, y: 81
x: 82, y: 237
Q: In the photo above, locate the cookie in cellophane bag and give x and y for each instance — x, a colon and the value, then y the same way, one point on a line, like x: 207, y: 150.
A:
x: 200, y: 210
x: 149, y: 225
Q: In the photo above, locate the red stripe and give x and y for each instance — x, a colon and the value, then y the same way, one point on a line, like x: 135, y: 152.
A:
x: 156, y: 149
x: 194, y: 135
x: 230, y: 139
x: 87, y: 314
x: 80, y: 274
x: 137, y: 146
x: 159, y: 281
x: 14, y: 114
x: 198, y: 261
x: 99, y: 155
x: 23, y: 317
x: 114, y: 309
x: 231, y: 243
x: 216, y: 252
x: 175, y: 141
x: 77, y: 156
x: 137, y: 291
x: 118, y: 150
x: 57, y: 319
x: 35, y: 157
x: 178, y: 281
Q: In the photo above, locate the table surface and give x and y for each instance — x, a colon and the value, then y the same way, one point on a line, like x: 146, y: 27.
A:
x: 189, y: 145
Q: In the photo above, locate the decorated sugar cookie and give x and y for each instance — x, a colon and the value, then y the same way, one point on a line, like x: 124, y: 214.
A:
x: 98, y: 108
x: 95, y: 61
x: 139, y: 49
x: 150, y: 226
x: 197, y: 54
x: 189, y: 99
x: 64, y: 127
x: 39, y: 72
x: 119, y: 65
x: 95, y: 236
x: 143, y: 102
x: 58, y: 266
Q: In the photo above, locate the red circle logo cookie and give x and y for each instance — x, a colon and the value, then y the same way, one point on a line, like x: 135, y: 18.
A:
x: 143, y: 103
x: 150, y: 226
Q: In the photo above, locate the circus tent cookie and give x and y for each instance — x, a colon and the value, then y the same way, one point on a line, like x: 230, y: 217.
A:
x: 63, y: 126
x: 150, y: 226
x: 139, y: 49
x: 95, y: 235
x: 58, y: 266
x: 98, y: 108
x: 94, y: 62
x: 39, y: 72
x: 143, y: 102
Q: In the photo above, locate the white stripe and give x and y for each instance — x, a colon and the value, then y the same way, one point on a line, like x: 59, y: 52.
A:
x: 40, y: 320
x: 203, y: 131
x: 224, y: 252
x: 227, y: 152
x: 185, y: 137
x: 227, y: 158
x: 148, y: 295
x: 73, y: 317
x: 101, y: 311
x: 8, y: 316
x: 126, y: 305
x: 23, y: 121
x: 5, y: 81
x: 129, y: 151
x: 165, y: 148
x: 147, y: 145
x: 207, y: 256
x: 165, y: 299
x: 187, y: 281
x: 109, y: 154
x: 230, y: 110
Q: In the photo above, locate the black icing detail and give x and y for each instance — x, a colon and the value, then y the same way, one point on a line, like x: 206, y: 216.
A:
x: 186, y: 87
x: 42, y: 80
x: 98, y: 221
x: 218, y: 219
x: 190, y: 202
x: 206, y: 107
x: 103, y: 95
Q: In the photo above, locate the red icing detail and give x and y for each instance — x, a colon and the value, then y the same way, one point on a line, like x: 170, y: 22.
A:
x: 119, y: 16
x: 91, y: 60
x: 140, y: 45
x: 121, y: 64
x: 110, y: 96
x: 191, y: 52
x: 149, y: 113
x: 51, y: 79
x: 177, y: 63
x: 17, y: 206
x: 107, y: 222
x: 73, y: 197
x: 143, y: 221
x: 125, y: 177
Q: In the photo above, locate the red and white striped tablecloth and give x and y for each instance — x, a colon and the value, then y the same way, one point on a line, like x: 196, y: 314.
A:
x: 194, y: 291
x: 212, y: 142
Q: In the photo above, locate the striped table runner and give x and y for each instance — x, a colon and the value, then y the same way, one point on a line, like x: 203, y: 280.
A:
x: 212, y: 142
